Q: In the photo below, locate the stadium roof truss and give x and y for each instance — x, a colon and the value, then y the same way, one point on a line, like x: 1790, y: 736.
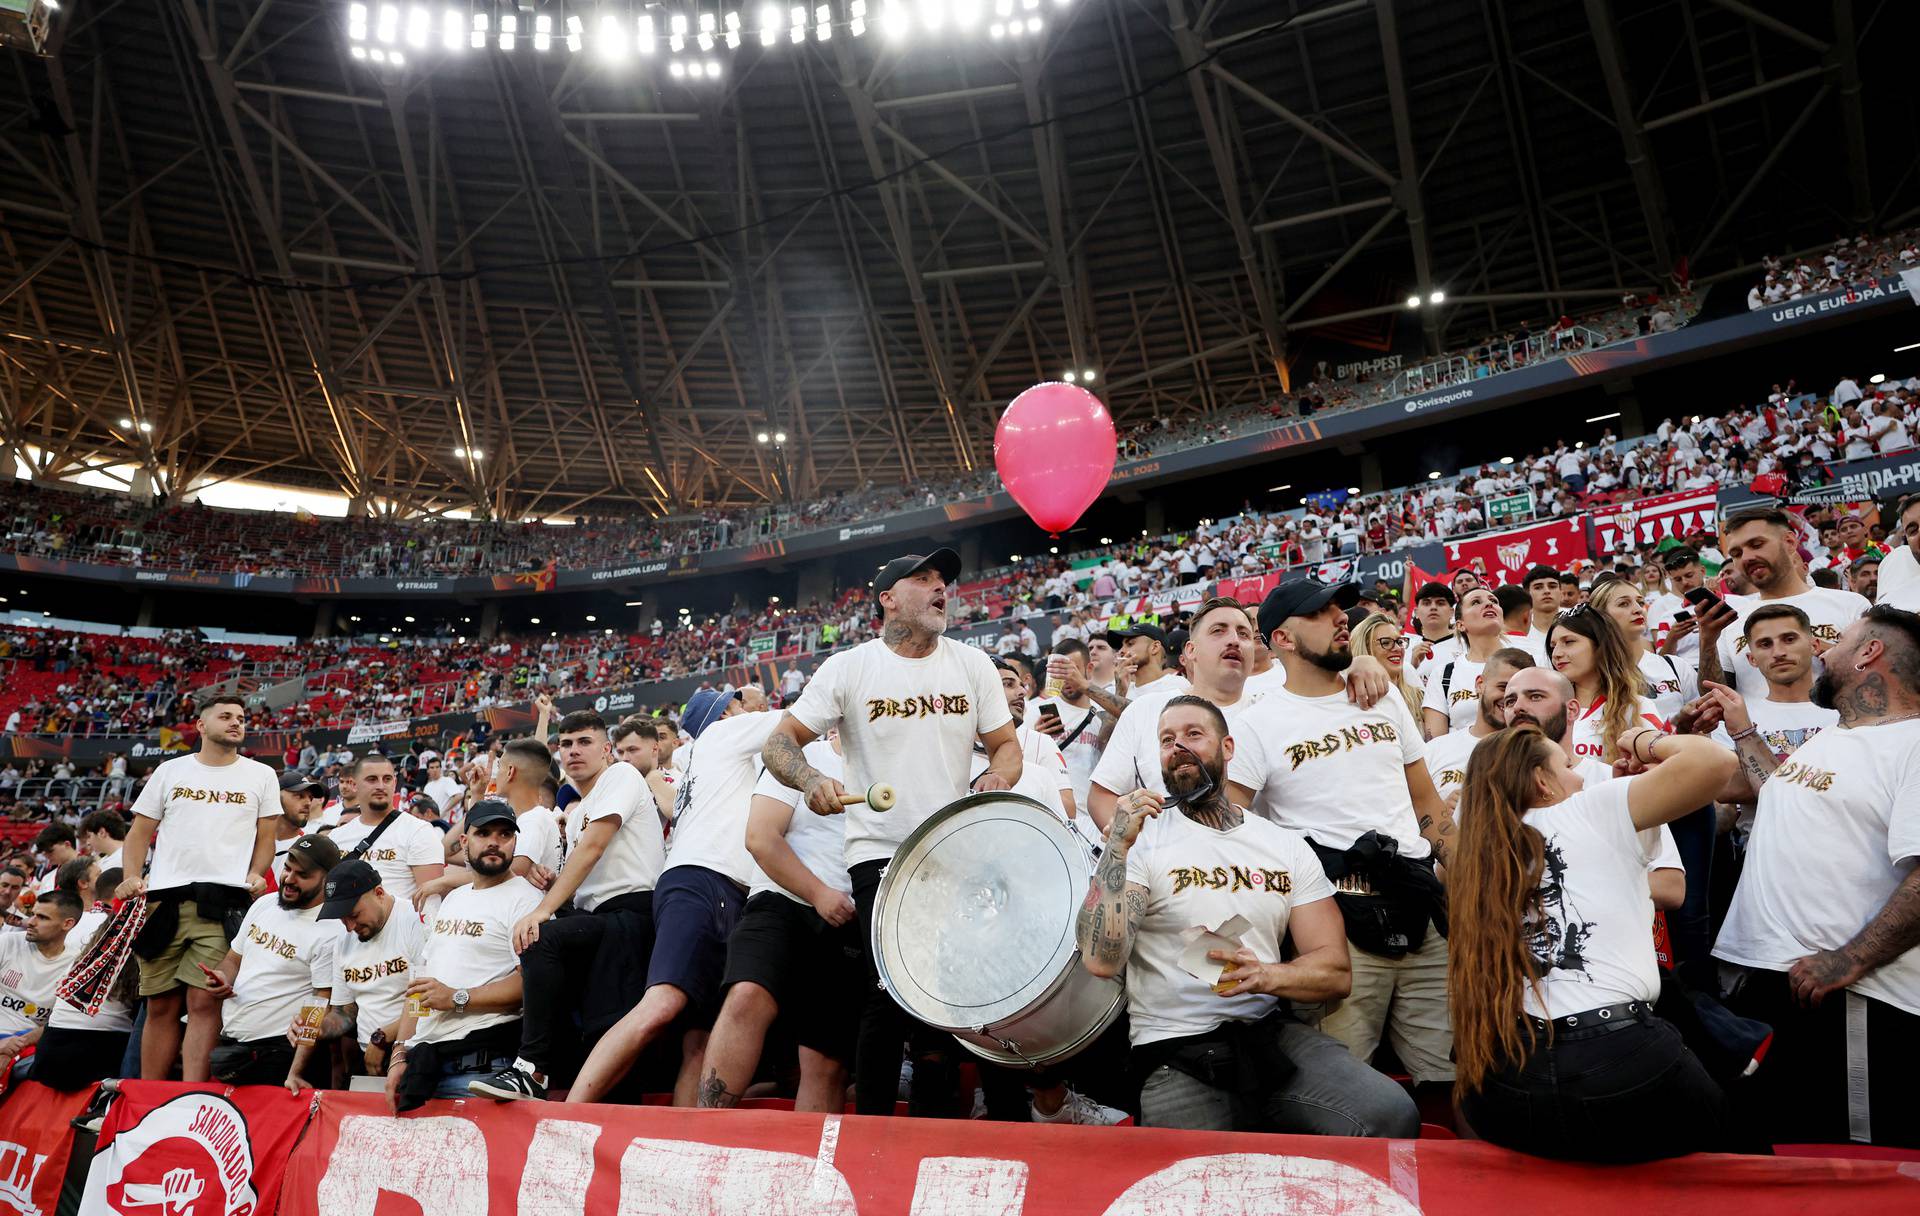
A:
x: 543, y: 284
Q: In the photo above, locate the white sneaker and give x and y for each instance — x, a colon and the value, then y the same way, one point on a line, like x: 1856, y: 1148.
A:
x: 1078, y: 1108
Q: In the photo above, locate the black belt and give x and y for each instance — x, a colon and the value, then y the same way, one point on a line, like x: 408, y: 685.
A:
x: 1624, y: 1014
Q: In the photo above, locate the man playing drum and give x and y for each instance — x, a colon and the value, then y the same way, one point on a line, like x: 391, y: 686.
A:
x: 1226, y: 1055
x: 909, y: 705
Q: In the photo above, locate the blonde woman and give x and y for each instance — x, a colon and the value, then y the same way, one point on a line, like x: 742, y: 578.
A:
x: 1381, y: 636
x: 1672, y: 680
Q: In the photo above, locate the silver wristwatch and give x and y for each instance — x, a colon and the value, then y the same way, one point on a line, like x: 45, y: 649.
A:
x: 460, y: 998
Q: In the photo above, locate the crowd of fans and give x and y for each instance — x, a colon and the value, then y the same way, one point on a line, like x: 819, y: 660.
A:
x: 1848, y: 263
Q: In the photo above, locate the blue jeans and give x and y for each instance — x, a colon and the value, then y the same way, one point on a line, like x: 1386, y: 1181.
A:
x: 1329, y: 1094
x: 454, y: 1084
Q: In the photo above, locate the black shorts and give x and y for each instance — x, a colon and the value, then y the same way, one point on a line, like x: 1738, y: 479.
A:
x: 694, y: 912
x: 811, y: 969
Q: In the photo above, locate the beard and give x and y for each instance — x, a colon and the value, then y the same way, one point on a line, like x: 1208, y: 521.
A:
x: 1329, y: 660
x: 1190, y: 775
x: 1555, y: 731
x: 489, y: 865
x: 1825, y: 689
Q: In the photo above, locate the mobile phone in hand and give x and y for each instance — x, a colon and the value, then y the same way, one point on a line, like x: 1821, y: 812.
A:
x: 1682, y: 615
x: 1049, y: 710
x: 1703, y: 600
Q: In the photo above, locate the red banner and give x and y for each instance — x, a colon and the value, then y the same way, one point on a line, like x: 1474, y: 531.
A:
x: 480, y: 1159
x: 1505, y: 557
x: 1646, y: 522
x: 35, y: 1142
x: 168, y: 1149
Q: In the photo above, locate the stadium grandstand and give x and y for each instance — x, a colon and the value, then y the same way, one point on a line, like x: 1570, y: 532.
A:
x: 562, y: 489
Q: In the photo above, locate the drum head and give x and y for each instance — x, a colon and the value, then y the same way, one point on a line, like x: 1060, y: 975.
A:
x: 974, y: 921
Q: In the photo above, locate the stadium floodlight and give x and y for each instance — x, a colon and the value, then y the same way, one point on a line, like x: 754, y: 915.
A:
x: 611, y: 40
x: 1434, y: 476
x: 797, y: 25
x: 966, y: 13
x: 357, y: 22
x: 1413, y: 301
x: 998, y: 29
x: 509, y: 30
x: 1070, y: 376
x: 1437, y: 297
x: 453, y: 29
x: 377, y: 55
x: 357, y: 51
x: 677, y: 69
x: 1270, y: 489
x: 591, y: 618
x: 733, y: 29
x: 387, y: 28
x: 1909, y: 346
x: 779, y: 436
x: 459, y: 453
x: 146, y: 428
x: 533, y: 620
x: 894, y: 20
x: 713, y: 69
x: 1033, y: 25
x: 645, y: 43
x: 126, y: 424
x: 1003, y: 8
x: 1013, y: 557
x: 543, y: 31
x: 1087, y: 375
x: 419, y: 24
x: 823, y: 22
x: 408, y: 620
x: 708, y: 23
x: 933, y: 13
x: 761, y: 437
x: 1353, y: 489
x: 1506, y: 460
x: 575, y: 30
x: 478, y: 38
x: 396, y: 58
x: 771, y: 19
x: 1877, y: 378
x: 857, y: 18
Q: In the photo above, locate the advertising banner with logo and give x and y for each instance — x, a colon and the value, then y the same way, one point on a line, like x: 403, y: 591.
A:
x: 35, y: 1142
x: 1874, y: 479
x: 1505, y: 557
x: 168, y: 1149
x: 1646, y: 522
x: 481, y: 1159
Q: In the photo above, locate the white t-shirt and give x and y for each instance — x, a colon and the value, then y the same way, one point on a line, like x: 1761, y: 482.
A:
x: 1594, y: 947
x: 710, y: 806
x: 1660, y: 614
x: 819, y: 841
x: 407, y: 842
x: 1447, y: 760
x: 1672, y: 686
x: 1083, y: 754
x: 27, y: 981
x: 1827, y: 609
x: 374, y: 974
x: 1260, y: 684
x: 635, y: 856
x: 443, y: 791
x: 1837, y: 830
x: 1196, y: 876
x: 908, y: 722
x: 1329, y: 770
x: 207, y: 818
x: 1043, y: 772
x: 470, y: 944
x: 539, y: 837
x: 1132, y: 758
x: 113, y: 1015
x: 1443, y: 650
x: 1460, y: 698
x: 285, y: 954
x: 1589, y: 731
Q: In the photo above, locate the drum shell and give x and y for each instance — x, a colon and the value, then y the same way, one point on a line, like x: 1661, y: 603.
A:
x: 1021, y: 997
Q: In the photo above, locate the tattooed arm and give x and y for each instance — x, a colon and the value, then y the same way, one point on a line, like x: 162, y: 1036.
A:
x: 783, y: 758
x: 1430, y: 811
x: 1111, y: 913
x: 1891, y: 933
x: 1112, y: 706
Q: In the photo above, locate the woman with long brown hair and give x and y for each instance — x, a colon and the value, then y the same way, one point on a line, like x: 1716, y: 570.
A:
x: 1552, y: 976
x: 1672, y: 680
x: 1588, y: 648
x: 1381, y: 636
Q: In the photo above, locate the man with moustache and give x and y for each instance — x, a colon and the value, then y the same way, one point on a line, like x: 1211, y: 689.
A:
x: 1898, y: 584
x: 1227, y: 1055
x: 1760, y: 542
x: 1767, y: 731
x: 282, y: 958
x: 1825, y: 924
x: 405, y: 850
x: 468, y: 976
x: 299, y: 798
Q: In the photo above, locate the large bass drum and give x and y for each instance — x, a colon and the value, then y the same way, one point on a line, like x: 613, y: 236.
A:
x: 973, y: 931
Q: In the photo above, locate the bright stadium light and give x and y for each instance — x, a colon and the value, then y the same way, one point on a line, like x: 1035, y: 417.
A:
x: 1506, y: 460
x: 677, y: 33
x: 459, y: 453
x: 1437, y: 297
x: 478, y: 39
x: 677, y: 69
x: 357, y: 51
x: 453, y: 29
x: 761, y: 437
x: 1070, y: 375
x: 1033, y: 25
x: 771, y: 20
x: 645, y: 44
x: 933, y: 13
x: 388, y: 27
x: 823, y: 22
x: 797, y: 25
x: 419, y: 24
x: 509, y: 30
x: 966, y: 13
x: 146, y: 428
x: 575, y: 30
x: 857, y: 18
x: 611, y: 41
x: 543, y: 31
x: 1433, y: 476
x: 591, y: 618
x: 895, y: 21
x: 713, y: 69
x: 1877, y: 378
x: 1087, y: 375
x: 1413, y: 301
x: 357, y: 22
x: 409, y: 620
x: 779, y: 436
x: 733, y: 29
x: 707, y: 24
x: 126, y: 424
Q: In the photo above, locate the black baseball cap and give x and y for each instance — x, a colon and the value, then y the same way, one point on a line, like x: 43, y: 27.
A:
x: 946, y: 561
x: 1177, y: 643
x: 1434, y: 591
x: 491, y: 810
x: 1303, y: 597
x: 346, y: 883
x: 1141, y: 629
x: 294, y: 779
x: 315, y: 852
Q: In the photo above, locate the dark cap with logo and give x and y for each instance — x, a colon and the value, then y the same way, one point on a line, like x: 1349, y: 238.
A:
x: 1303, y: 597
x: 315, y: 852
x: 1141, y: 629
x: 294, y: 779
x: 346, y: 883
x: 491, y: 810
x: 946, y: 561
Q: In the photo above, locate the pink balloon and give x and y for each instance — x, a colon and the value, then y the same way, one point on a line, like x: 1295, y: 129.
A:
x: 1055, y: 449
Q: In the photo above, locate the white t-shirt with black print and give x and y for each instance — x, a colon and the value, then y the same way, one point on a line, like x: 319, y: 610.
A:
x: 633, y: 859
x: 407, y: 842
x: 908, y: 722
x: 1593, y: 946
x: 208, y: 818
x: 1197, y: 876
x: 1330, y: 770
x: 1837, y: 830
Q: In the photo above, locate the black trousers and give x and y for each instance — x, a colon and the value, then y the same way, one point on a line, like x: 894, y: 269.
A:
x: 69, y: 1059
x: 1620, y: 1092
x: 885, y: 1029
x: 1804, y: 1092
x: 579, y: 978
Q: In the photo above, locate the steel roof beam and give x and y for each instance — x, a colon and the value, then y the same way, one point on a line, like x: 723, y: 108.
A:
x: 1640, y: 162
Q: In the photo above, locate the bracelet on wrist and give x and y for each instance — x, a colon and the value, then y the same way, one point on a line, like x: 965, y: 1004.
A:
x: 1745, y: 734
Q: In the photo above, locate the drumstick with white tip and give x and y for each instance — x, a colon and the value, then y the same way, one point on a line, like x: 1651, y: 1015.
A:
x: 879, y: 796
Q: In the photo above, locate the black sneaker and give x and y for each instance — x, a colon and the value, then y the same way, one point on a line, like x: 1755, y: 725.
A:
x: 510, y: 1085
